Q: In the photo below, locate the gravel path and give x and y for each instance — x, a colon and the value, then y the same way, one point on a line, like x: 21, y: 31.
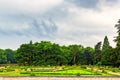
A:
x: 59, y: 78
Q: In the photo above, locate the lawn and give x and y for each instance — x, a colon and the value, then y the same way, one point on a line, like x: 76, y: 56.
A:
x: 84, y: 70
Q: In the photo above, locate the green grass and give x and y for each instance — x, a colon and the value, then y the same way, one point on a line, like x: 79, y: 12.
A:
x: 14, y: 70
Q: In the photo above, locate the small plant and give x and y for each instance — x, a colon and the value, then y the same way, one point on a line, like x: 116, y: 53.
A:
x: 1, y: 70
x: 32, y: 74
x: 114, y: 70
x: 83, y: 67
x: 24, y: 72
x: 78, y: 74
x: 17, y: 70
x: 28, y: 70
x: 99, y: 64
x: 4, y: 70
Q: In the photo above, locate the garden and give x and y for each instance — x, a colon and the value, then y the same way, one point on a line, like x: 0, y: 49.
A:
x: 75, y: 70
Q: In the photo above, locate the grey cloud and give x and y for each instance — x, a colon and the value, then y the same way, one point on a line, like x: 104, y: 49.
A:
x: 93, y: 4
x: 35, y: 29
x: 43, y: 28
x: 33, y: 7
x: 59, y: 24
x: 112, y: 1
x: 85, y: 3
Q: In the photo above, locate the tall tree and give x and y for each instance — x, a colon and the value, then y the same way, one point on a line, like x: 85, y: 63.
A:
x: 74, y: 52
x: 106, y: 48
x: 117, y: 49
x: 3, y: 57
x: 117, y: 40
x: 106, y: 44
x: 10, y: 55
x: 88, y: 55
x: 97, y: 54
x: 25, y: 54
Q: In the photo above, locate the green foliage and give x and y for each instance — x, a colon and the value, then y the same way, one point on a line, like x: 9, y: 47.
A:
x: 107, y: 52
x: 74, y: 53
x: 97, y: 53
x: 106, y: 44
x: 89, y: 55
x: 47, y: 53
x: 10, y: 54
x: 117, y: 49
x: 116, y: 57
x: 83, y: 70
x: 32, y: 74
x: 99, y: 63
x: 3, y: 58
x: 25, y: 54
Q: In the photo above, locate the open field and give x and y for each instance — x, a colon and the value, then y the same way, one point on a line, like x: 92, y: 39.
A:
x: 73, y: 71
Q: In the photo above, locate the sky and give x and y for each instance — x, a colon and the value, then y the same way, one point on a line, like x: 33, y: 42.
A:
x: 64, y: 22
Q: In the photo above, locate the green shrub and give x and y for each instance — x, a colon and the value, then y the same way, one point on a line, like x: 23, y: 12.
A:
x: 9, y: 70
x: 103, y: 71
x: 78, y: 74
x: 114, y: 70
x: 83, y: 67
x: 1, y: 70
x: 32, y: 74
x: 99, y: 64
x: 24, y: 72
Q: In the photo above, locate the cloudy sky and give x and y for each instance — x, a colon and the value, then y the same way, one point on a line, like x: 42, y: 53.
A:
x: 65, y: 22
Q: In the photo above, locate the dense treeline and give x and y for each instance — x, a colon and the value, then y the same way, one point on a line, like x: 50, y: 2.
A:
x: 47, y: 53
x: 7, y: 56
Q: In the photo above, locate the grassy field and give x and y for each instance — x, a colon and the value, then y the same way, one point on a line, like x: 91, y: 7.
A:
x: 83, y: 70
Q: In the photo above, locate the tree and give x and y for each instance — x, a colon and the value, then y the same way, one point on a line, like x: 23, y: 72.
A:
x: 106, y: 52
x: 3, y: 58
x: 97, y: 54
x: 43, y: 52
x: 88, y: 55
x: 73, y: 54
x: 66, y: 52
x: 25, y: 54
x: 80, y: 57
x: 106, y: 44
x: 54, y: 57
x: 117, y: 49
x: 10, y: 54
x: 60, y: 58
x: 49, y: 54
x: 117, y: 40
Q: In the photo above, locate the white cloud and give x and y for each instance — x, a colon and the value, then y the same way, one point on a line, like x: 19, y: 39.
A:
x: 89, y: 26
x: 18, y: 15
x: 27, y: 6
x: 75, y: 24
